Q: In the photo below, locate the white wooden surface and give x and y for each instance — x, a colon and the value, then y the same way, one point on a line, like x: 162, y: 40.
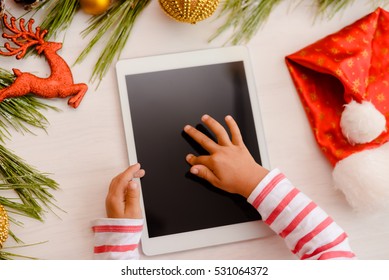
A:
x: 85, y: 148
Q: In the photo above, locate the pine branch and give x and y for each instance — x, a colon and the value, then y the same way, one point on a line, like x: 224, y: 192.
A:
x: 118, y: 21
x: 59, y: 15
x: 331, y: 7
x: 19, y: 113
x: 245, y: 17
x: 10, y: 256
x: 30, y: 185
x: 35, y: 198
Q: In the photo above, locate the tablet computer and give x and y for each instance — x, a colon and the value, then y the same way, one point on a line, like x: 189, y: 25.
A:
x: 159, y: 95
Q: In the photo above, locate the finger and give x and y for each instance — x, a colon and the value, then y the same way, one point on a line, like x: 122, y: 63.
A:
x: 132, y: 193
x: 204, y: 141
x: 120, y: 182
x: 204, y: 172
x: 219, y: 131
x: 140, y: 173
x: 193, y: 160
x: 236, y: 136
x: 117, y: 188
x: 132, y: 201
x: 129, y: 173
x: 114, y: 201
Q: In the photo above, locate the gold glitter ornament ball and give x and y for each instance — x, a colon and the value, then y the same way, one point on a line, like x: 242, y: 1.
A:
x: 190, y: 11
x: 95, y: 7
x: 4, y: 224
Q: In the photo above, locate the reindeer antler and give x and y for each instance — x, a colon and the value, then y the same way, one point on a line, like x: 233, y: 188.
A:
x: 23, y: 38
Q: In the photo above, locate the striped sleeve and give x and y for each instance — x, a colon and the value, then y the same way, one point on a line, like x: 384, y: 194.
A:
x: 307, y: 230
x: 116, y: 238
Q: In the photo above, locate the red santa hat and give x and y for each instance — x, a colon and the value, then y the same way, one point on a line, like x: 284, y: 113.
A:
x: 343, y: 84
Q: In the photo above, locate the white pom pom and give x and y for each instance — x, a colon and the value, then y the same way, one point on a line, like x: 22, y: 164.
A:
x: 363, y: 177
x: 361, y: 122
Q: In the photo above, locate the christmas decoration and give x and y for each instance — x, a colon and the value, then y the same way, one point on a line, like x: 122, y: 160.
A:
x: 242, y: 17
x: 119, y: 23
x: 246, y: 17
x: 3, y: 226
x: 31, y: 186
x: 58, y: 84
x: 17, y: 112
x: 343, y: 84
x: 59, y: 14
x: 95, y: 7
x: 190, y: 11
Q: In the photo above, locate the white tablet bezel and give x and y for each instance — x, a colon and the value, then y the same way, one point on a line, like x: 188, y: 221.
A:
x: 205, y: 237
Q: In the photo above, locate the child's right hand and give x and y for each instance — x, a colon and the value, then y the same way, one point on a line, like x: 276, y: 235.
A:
x: 230, y: 165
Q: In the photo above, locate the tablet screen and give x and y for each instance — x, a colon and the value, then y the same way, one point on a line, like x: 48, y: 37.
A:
x: 161, y: 104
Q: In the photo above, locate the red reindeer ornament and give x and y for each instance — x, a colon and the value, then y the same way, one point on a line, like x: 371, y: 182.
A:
x: 58, y: 84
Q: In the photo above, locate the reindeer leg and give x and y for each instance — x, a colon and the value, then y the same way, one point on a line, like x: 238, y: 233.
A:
x: 78, y: 91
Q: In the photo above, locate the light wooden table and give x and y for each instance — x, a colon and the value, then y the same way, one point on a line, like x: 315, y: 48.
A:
x: 85, y: 148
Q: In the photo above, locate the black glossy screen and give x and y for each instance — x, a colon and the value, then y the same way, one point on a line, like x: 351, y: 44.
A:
x: 161, y: 104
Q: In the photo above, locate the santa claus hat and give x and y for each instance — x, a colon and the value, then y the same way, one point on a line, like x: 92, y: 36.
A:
x: 343, y: 84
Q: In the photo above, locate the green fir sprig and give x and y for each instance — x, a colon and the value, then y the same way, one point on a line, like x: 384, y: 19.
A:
x: 245, y: 17
x: 4, y: 255
x: 118, y: 21
x: 329, y: 8
x: 30, y: 186
x: 20, y: 113
x: 58, y: 16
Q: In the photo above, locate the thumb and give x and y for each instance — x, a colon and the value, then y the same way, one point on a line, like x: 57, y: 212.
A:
x: 132, y: 191
x: 132, y: 201
x: 204, y: 172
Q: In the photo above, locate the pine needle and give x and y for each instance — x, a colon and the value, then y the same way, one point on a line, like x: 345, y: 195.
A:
x: 117, y: 21
x: 4, y: 255
x: 332, y: 7
x: 59, y: 15
x: 245, y: 17
x: 11, y: 256
x: 35, y: 198
x: 20, y: 113
x: 31, y: 186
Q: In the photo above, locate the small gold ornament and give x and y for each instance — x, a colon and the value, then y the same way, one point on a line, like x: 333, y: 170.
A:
x: 4, y: 224
x: 95, y: 7
x: 190, y: 11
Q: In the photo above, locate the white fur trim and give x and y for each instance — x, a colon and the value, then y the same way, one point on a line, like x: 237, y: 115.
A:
x: 364, y: 178
x: 362, y: 122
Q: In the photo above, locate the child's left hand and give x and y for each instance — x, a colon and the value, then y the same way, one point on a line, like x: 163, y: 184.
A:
x: 123, y: 196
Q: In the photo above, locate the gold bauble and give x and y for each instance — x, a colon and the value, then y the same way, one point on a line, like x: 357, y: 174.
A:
x: 95, y: 7
x: 190, y: 11
x: 4, y: 224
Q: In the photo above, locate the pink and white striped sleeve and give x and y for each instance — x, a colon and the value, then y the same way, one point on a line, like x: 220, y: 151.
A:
x: 117, y: 239
x: 307, y: 230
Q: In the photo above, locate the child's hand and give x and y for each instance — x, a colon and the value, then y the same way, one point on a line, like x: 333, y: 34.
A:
x: 230, y: 165
x: 123, y: 196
